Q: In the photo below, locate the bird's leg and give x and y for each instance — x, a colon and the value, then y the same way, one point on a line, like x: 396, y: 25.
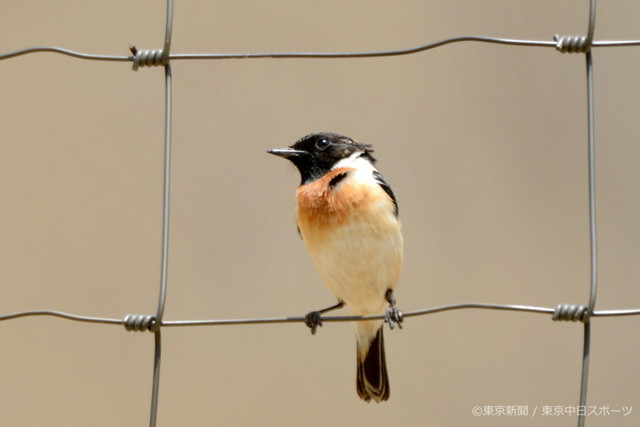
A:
x: 392, y: 315
x: 314, y: 318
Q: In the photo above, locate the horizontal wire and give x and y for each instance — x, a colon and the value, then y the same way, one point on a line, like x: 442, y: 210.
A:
x: 61, y: 314
x: 68, y: 52
x: 219, y: 322
x: 371, y: 54
x: 417, y: 49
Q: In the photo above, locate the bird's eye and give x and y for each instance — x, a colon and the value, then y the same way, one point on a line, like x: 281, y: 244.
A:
x: 322, y: 143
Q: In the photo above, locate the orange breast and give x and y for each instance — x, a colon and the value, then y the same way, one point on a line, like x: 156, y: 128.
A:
x: 321, y: 204
x: 321, y: 208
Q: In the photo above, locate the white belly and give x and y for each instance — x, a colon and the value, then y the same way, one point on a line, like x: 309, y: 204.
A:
x: 359, y: 261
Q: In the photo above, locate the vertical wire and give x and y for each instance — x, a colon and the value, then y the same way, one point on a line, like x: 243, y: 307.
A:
x: 168, y: 33
x: 166, y: 202
x: 166, y: 194
x: 593, y: 239
x: 585, y: 373
x: 156, y: 378
x: 584, y: 383
x: 592, y: 182
x: 166, y: 209
x: 592, y: 23
x: 165, y: 249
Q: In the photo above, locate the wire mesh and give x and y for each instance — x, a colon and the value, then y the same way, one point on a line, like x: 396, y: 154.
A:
x: 163, y: 57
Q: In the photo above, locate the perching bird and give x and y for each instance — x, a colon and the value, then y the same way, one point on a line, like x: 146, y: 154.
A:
x: 347, y: 216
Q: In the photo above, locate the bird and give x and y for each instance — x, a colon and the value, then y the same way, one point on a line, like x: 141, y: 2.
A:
x: 347, y: 216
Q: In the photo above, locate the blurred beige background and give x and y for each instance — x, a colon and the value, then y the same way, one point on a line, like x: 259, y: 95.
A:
x: 485, y: 147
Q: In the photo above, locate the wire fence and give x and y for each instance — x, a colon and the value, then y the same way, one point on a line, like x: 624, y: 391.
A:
x: 163, y: 57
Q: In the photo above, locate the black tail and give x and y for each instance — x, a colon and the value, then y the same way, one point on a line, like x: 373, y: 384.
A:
x: 373, y: 381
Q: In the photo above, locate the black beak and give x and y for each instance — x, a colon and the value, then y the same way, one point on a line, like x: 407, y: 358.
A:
x: 287, y: 153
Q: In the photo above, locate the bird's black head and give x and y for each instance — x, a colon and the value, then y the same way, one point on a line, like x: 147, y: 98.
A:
x: 317, y: 153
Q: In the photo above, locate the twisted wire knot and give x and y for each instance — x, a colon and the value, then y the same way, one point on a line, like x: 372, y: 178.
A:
x: 139, y: 322
x: 572, y: 44
x: 147, y: 57
x: 571, y: 313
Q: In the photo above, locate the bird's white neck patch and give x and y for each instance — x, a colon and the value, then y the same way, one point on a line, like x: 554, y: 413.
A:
x: 363, y: 167
x: 355, y: 161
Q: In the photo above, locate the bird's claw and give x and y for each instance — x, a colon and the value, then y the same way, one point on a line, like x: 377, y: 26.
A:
x: 313, y: 320
x: 393, y: 317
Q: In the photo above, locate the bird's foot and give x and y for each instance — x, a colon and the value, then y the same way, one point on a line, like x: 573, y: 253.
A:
x: 392, y: 315
x: 313, y: 320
